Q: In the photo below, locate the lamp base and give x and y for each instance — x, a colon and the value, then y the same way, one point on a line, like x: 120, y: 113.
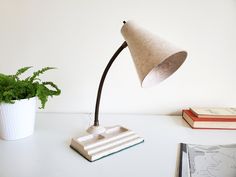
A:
x: 109, y: 140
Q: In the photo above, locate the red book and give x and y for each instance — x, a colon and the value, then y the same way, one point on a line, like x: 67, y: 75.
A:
x: 208, y: 122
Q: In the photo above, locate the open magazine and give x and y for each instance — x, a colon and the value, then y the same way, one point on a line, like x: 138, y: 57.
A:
x: 207, y: 160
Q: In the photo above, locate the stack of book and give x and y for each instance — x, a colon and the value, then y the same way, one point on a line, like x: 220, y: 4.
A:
x: 211, y: 118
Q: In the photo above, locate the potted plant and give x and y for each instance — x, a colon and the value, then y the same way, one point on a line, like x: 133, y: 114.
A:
x: 18, y: 102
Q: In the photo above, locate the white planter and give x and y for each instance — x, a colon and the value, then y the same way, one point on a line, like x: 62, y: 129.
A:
x: 17, y: 120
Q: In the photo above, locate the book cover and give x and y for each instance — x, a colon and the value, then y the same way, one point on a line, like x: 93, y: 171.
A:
x: 208, y: 123
x: 195, y: 118
x: 207, y: 160
x: 214, y: 112
x: 183, y: 161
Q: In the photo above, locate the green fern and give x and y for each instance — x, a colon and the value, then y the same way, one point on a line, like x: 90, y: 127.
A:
x: 13, y: 88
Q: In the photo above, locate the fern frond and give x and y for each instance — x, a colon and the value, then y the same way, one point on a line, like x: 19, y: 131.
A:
x: 8, y: 95
x: 42, y: 94
x: 57, y: 91
x: 37, y: 73
x: 21, y: 71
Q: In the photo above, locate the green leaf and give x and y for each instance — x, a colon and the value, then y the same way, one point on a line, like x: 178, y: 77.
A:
x: 37, y: 73
x: 21, y: 71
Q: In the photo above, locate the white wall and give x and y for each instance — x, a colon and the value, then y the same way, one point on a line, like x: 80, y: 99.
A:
x: 79, y: 38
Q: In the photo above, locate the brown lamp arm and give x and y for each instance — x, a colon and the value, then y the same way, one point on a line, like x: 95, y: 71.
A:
x: 124, y: 45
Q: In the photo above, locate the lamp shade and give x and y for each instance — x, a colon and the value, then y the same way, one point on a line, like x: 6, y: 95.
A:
x: 155, y: 59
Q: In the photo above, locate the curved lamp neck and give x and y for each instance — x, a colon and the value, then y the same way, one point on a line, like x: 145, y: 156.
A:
x: 124, y: 45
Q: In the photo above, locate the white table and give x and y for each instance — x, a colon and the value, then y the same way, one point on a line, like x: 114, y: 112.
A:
x: 47, y: 152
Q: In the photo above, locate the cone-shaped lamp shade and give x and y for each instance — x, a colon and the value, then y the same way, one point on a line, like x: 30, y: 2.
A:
x: 155, y: 59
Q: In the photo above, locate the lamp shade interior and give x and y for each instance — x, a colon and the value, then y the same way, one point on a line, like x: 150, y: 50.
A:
x: 155, y: 59
x: 164, y: 69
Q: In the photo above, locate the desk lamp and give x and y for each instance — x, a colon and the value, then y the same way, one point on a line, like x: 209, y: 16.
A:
x: 155, y: 59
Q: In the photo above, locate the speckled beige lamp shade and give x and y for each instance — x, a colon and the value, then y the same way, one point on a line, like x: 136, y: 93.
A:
x: 155, y: 59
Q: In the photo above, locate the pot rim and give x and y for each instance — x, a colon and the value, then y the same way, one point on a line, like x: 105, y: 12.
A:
x: 20, y: 100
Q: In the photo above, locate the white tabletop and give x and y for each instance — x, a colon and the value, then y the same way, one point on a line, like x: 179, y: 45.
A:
x: 47, y: 153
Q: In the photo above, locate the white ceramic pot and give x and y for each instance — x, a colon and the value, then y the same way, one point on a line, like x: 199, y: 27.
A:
x: 17, y: 120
